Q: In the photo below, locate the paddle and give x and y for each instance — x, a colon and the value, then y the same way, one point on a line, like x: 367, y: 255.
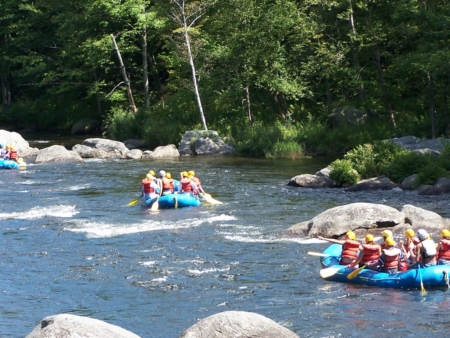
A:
x: 328, y: 272
x: 133, y: 202
x: 423, y: 292
x: 155, y: 205
x: 317, y: 254
x: 355, y: 273
x: 209, y: 199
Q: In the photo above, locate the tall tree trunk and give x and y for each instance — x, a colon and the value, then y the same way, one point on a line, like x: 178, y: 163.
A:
x: 384, y: 92
x: 125, y: 77
x: 432, y: 105
x: 361, y: 90
x: 145, y: 70
x: 249, y: 108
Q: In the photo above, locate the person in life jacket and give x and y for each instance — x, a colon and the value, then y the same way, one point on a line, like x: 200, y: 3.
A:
x: 386, y: 234
x: 149, y: 189
x: 409, y: 247
x: 443, y: 248
x: 7, y: 152
x: 176, y: 184
x: 426, y: 250
x: 390, y: 257
x: 187, y: 185
x: 13, y: 154
x: 369, y: 253
x: 350, y: 247
x: 196, y: 180
x: 167, y: 183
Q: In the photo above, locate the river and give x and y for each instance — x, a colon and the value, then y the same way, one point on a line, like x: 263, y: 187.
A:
x: 70, y: 244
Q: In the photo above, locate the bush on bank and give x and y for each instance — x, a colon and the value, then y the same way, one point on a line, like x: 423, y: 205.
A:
x: 385, y: 158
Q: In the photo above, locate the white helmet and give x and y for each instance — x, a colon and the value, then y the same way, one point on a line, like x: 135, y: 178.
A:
x: 162, y: 173
x: 422, y: 234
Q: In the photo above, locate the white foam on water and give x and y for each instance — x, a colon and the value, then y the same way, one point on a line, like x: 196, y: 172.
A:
x: 221, y: 218
x: 245, y: 239
x: 80, y: 187
x: 65, y: 211
x: 206, y: 271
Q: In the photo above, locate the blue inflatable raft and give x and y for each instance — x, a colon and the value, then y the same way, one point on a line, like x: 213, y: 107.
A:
x: 434, y: 276
x: 173, y: 201
x: 8, y: 164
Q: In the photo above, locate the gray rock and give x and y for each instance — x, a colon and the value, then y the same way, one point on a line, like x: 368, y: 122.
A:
x: 237, y: 324
x: 107, y: 148
x: 147, y: 154
x: 299, y: 229
x: 440, y: 187
x: 337, y: 221
x: 376, y: 183
x: 169, y: 150
x: 311, y: 181
x: 434, y: 146
x: 57, y: 154
x: 71, y: 326
x: 202, y: 142
x: 408, y: 182
x: 134, y: 154
x: 135, y: 144
x: 325, y: 172
x: 88, y: 152
x: 85, y: 126
x: 421, y: 218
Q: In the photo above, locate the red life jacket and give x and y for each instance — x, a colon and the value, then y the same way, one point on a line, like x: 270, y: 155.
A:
x: 13, y: 155
x: 444, y: 253
x: 167, y: 184
x: 186, y: 185
x: 371, y: 253
x: 350, y: 249
x: 390, y: 259
x: 148, y: 189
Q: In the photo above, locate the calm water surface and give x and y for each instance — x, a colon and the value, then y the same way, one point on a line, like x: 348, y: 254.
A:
x: 70, y: 244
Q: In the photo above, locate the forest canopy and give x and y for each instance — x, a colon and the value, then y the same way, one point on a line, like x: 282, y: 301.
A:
x: 252, y: 70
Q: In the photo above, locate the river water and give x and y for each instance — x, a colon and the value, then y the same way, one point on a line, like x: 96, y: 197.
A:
x: 70, y: 244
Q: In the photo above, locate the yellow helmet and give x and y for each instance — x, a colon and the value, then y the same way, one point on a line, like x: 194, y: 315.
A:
x: 387, y: 233
x: 351, y: 235
x: 168, y: 175
x: 445, y: 233
x: 149, y: 177
x: 409, y: 233
x: 389, y: 241
x: 191, y: 173
x: 369, y: 238
x: 11, y: 147
x: 185, y: 174
x: 8, y: 146
x: 151, y: 172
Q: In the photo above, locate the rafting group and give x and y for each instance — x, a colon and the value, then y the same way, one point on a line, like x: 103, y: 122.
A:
x: 166, y: 192
x: 415, y: 262
x: 9, y: 157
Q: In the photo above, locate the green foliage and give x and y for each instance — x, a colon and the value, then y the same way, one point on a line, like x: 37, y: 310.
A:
x: 429, y: 173
x: 278, y: 141
x: 343, y: 173
x: 122, y: 125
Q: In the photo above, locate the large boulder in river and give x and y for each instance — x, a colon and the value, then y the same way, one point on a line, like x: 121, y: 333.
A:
x: 57, y: 154
x: 421, y: 218
x: 101, y: 148
x: 14, y: 139
x: 423, y: 146
x: 375, y: 183
x: 233, y: 324
x: 169, y: 150
x: 312, y: 181
x: 337, y: 221
x: 71, y: 326
x: 204, y: 142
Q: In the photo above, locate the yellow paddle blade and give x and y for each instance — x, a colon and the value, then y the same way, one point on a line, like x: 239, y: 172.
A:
x: 209, y: 199
x: 317, y: 254
x: 328, y: 272
x: 423, y: 292
x: 133, y: 202
x: 355, y: 273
